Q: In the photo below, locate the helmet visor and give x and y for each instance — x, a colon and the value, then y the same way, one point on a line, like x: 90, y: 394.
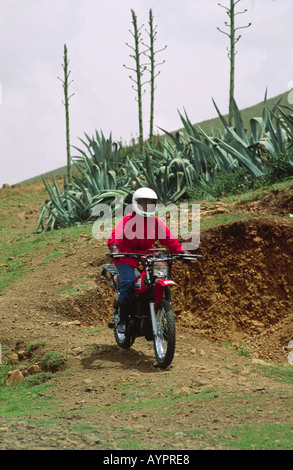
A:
x: 147, y: 205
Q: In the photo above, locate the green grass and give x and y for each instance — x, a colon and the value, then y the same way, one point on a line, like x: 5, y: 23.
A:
x: 277, y: 372
x: 4, y: 369
x: 94, y: 330
x: 17, y: 248
x: 21, y: 400
x: 267, y: 437
x: 29, y: 397
x: 69, y: 289
x: 127, y: 439
x: 165, y: 404
x: 258, y: 194
x: 219, y: 219
x: 241, y: 348
x: 30, y: 400
x: 243, y: 436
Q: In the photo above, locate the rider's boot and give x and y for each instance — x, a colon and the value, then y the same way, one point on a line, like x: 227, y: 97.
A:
x: 124, y: 310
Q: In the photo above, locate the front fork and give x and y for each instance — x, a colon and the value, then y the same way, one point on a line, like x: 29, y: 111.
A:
x: 154, y: 318
x: 153, y: 310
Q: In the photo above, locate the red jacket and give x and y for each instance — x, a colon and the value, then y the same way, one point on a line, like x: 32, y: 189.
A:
x: 137, y: 234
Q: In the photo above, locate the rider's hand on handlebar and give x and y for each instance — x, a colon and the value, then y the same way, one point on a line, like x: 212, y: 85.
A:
x: 185, y: 253
x: 114, y: 250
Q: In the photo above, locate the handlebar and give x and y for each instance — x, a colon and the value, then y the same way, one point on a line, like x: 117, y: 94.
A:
x: 185, y: 257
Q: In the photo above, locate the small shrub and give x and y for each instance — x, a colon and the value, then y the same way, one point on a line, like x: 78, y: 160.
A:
x: 231, y: 183
x: 53, y: 360
x: 34, y: 346
x: 225, y: 184
x: 279, y: 167
x: 37, y: 379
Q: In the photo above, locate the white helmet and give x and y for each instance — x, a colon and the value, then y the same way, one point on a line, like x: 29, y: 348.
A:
x: 151, y: 199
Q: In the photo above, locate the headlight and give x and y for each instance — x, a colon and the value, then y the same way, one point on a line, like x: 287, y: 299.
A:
x: 160, y: 269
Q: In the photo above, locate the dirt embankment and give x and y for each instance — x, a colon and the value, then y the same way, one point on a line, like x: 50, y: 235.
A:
x: 243, y: 288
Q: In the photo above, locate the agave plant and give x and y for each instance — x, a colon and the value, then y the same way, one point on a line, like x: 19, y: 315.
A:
x: 166, y: 172
x: 100, y: 149
x: 95, y: 178
x: 61, y: 210
x: 95, y: 181
x: 102, y: 161
x: 187, y: 160
x: 74, y: 204
x: 236, y: 147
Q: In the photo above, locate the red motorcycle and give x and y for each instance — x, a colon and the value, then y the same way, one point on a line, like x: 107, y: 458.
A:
x: 150, y: 312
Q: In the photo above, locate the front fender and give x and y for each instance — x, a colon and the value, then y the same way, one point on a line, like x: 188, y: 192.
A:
x: 160, y: 287
x: 165, y: 283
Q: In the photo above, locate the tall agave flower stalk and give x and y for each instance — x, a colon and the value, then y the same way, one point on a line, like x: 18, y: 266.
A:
x: 138, y: 70
x: 233, y: 39
x: 65, y: 84
x: 151, y: 54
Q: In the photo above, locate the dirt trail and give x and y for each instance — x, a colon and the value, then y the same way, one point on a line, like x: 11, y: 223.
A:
x: 241, y: 291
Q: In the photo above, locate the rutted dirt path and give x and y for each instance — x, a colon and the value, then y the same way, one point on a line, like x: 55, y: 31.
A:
x: 241, y: 291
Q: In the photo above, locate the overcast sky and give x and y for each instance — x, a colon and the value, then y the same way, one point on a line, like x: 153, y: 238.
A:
x: 196, y: 68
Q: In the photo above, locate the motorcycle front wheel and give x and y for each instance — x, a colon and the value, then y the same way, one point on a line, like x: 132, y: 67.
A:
x: 164, y: 342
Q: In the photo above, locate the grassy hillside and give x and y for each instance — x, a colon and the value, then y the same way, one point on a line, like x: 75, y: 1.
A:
x: 247, y: 113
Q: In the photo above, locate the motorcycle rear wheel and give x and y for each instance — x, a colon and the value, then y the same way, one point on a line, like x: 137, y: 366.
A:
x: 164, y: 342
x: 124, y: 340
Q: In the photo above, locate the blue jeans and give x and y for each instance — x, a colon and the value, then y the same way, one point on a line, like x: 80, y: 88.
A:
x: 127, y: 278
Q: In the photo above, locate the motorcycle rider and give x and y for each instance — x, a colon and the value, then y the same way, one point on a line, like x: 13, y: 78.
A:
x: 136, y: 233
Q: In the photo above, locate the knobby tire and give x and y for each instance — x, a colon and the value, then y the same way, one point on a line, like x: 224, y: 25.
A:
x: 164, y: 343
